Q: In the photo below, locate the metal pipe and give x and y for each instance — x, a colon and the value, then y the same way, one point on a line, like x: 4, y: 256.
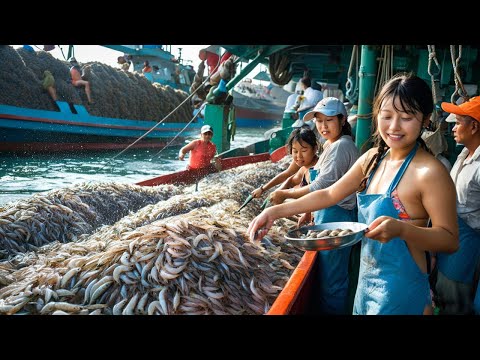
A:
x: 367, y: 76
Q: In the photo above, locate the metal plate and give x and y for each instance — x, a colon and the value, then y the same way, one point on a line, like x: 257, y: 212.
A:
x: 328, y: 242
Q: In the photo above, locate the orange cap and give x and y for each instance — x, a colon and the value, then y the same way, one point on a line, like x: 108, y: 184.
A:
x: 470, y: 108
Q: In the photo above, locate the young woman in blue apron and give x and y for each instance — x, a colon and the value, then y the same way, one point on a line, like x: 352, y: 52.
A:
x: 338, y: 156
x: 400, y: 185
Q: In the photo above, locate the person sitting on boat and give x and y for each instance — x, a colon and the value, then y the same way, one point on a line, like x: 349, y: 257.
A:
x: 202, y: 150
x: 338, y: 156
x: 76, y: 74
x: 293, y: 102
x: 456, y: 275
x: 147, y: 71
x: 303, y: 146
x: 311, y: 96
x: 124, y: 63
x: 48, y: 84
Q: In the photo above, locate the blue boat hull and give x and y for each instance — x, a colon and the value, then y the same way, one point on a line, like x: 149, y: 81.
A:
x: 74, y: 129
x: 245, y: 117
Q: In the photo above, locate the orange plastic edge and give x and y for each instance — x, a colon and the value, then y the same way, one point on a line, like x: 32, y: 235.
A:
x: 291, y: 291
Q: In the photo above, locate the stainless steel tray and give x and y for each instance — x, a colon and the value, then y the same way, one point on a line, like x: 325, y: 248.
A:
x: 328, y: 242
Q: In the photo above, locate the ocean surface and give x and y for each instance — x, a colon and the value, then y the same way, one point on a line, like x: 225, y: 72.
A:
x: 21, y: 177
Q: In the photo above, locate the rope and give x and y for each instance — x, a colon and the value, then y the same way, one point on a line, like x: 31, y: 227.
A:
x: 365, y: 116
x: 385, y: 68
x: 278, y: 66
x: 352, y: 94
x: 166, y: 117
x: 61, y: 49
x: 432, y: 56
x: 196, y: 115
x: 459, y: 89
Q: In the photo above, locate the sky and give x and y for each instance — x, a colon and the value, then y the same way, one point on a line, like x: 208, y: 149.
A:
x: 87, y: 53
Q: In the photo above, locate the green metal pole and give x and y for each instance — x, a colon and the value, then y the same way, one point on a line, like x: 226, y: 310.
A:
x: 367, y: 75
x: 215, y: 116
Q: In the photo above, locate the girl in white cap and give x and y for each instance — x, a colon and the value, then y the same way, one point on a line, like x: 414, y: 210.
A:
x: 400, y: 186
x: 338, y: 156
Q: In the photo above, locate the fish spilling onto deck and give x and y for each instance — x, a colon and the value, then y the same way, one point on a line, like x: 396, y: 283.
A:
x: 186, y: 253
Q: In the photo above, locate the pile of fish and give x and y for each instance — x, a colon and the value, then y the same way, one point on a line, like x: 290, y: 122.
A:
x: 62, y: 215
x: 185, y: 254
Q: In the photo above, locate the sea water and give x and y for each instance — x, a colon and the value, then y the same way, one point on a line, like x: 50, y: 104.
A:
x: 23, y: 176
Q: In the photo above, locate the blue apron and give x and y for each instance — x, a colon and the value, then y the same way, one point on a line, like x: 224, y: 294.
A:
x: 460, y: 266
x: 333, y: 266
x: 389, y: 282
x: 454, y: 285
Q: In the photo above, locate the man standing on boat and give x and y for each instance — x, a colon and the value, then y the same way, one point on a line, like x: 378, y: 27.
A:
x: 76, y: 74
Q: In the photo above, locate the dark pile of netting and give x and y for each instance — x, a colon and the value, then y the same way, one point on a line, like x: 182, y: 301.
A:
x: 115, y: 93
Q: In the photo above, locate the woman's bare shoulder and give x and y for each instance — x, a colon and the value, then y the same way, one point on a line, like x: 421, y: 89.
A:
x: 430, y: 168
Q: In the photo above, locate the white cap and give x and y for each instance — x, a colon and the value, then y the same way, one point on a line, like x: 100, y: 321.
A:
x: 206, y: 128
x: 329, y: 106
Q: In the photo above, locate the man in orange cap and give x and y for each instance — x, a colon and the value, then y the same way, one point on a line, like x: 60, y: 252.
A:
x: 457, y: 274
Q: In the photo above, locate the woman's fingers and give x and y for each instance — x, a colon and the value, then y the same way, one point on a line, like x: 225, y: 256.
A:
x: 383, y: 229
x: 259, y: 227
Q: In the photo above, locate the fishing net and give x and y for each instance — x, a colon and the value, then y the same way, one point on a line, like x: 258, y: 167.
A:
x: 115, y: 93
